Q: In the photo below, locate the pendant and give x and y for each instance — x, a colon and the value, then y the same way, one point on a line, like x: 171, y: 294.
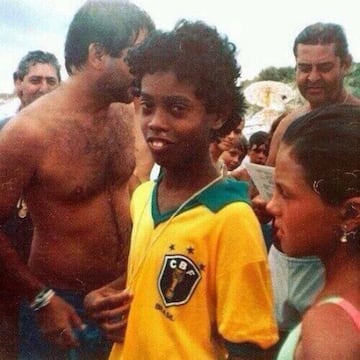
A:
x: 23, y: 210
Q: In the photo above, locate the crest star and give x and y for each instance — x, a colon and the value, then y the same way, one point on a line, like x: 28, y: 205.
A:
x: 190, y: 250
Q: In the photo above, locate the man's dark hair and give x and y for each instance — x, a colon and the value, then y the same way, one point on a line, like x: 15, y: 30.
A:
x: 259, y: 138
x: 324, y: 34
x: 112, y: 24
x: 199, y: 55
x: 35, y: 57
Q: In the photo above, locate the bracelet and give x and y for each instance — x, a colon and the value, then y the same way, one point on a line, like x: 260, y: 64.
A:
x: 42, y: 299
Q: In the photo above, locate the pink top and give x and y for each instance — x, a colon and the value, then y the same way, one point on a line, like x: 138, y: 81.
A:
x: 347, y: 306
x: 351, y: 310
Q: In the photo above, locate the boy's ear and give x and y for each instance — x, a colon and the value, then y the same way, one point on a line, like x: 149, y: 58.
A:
x: 217, y: 121
x: 96, y: 54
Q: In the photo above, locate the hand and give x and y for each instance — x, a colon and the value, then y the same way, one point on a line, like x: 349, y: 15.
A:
x: 259, y: 207
x: 57, y: 321
x: 110, y: 308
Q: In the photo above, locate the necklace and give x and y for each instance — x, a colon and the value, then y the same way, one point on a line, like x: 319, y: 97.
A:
x: 134, y: 271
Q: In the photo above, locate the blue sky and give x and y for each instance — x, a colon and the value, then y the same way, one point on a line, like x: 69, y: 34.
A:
x: 262, y: 30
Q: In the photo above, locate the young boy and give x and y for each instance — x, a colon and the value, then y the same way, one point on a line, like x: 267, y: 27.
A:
x: 258, y: 152
x: 234, y: 156
x: 197, y: 272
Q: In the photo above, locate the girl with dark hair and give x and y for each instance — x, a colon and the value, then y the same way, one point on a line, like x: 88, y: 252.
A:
x: 316, y: 205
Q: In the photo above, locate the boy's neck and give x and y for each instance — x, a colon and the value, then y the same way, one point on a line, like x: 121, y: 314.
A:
x: 190, y: 176
x: 176, y: 187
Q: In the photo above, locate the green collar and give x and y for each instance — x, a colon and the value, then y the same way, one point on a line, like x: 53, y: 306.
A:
x: 214, y: 198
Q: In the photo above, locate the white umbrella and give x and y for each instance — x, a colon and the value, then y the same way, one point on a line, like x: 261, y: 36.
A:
x: 261, y: 120
x: 269, y: 94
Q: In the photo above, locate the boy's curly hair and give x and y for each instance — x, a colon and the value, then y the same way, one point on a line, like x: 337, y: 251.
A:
x: 199, y: 55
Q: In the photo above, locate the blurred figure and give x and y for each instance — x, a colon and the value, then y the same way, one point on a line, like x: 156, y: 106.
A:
x: 258, y: 151
x: 233, y: 157
x: 258, y: 147
x: 224, y: 143
x: 37, y: 74
x: 317, y: 213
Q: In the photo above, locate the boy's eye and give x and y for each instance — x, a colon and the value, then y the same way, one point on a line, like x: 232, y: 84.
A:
x: 146, y: 107
x: 177, y: 109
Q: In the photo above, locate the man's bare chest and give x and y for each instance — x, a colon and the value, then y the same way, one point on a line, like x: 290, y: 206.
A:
x: 79, y: 164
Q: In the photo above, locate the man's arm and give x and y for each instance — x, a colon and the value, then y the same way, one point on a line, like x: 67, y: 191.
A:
x: 280, y: 131
x: 18, y: 155
x: 276, y: 139
x: 20, y: 152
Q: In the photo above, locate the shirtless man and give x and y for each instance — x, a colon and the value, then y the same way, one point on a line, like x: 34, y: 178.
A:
x: 74, y: 177
x: 322, y: 61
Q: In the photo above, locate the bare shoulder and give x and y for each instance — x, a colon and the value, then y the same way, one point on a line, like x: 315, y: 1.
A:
x: 21, y: 152
x: 22, y: 134
x: 280, y: 130
x: 329, y: 333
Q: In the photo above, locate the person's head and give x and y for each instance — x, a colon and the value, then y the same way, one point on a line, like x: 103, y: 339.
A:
x: 188, y: 76
x: 258, y: 147
x: 100, y: 34
x: 37, y: 73
x: 226, y: 142
x: 322, y: 60
x: 236, y: 154
x: 317, y: 177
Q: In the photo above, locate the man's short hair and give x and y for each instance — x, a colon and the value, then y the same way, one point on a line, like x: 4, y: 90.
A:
x: 112, y: 24
x: 36, y: 57
x: 324, y: 34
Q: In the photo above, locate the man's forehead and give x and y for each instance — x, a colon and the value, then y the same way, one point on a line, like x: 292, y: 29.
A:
x: 318, y: 52
x: 41, y: 69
